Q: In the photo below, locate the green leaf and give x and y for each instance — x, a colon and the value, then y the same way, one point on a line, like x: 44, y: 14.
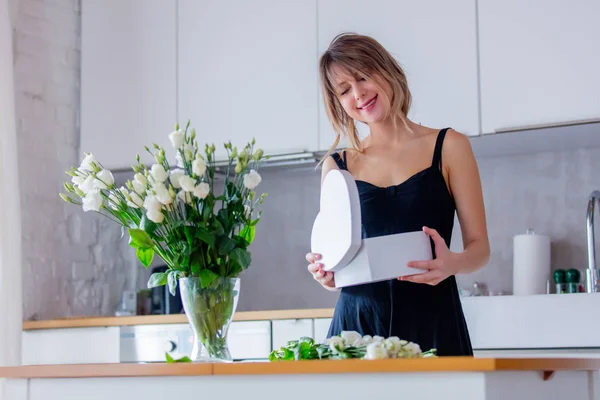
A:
x: 241, y: 257
x: 140, y: 239
x: 157, y: 279
x: 205, y: 236
x: 171, y: 360
x: 196, y: 262
x: 145, y: 256
x: 173, y: 282
x: 218, y: 228
x: 226, y: 245
x: 147, y: 226
x: 248, y: 233
x: 207, y: 277
x: 190, y: 234
x: 223, y: 217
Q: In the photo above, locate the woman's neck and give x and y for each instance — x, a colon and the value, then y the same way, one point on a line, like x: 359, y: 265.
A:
x: 387, y: 133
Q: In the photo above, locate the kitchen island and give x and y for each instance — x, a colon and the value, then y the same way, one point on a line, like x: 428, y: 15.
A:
x: 463, y: 378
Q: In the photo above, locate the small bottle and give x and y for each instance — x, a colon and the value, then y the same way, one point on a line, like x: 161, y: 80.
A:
x: 560, y: 281
x: 572, y: 277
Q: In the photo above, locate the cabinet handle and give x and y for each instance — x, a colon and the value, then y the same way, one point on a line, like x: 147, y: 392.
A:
x: 544, y: 126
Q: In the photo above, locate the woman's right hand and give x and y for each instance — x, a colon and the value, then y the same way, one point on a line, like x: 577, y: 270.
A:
x: 325, y: 278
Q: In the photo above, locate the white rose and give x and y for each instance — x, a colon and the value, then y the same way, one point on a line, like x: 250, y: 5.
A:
x: 77, y: 180
x: 87, y: 185
x: 188, y: 151
x: 252, y: 179
x: 199, y: 167
x: 350, y: 337
x: 158, y: 173
x: 175, y: 175
x: 367, y: 339
x: 163, y: 195
x: 412, y: 348
x: 86, y: 164
x: 140, y: 178
x: 152, y: 204
x: 156, y: 217
x: 187, y: 183
x: 392, y: 344
x: 377, y: 339
x: 136, y: 201
x: 92, y: 201
x: 176, y: 138
x: 336, y: 344
x: 114, y: 201
x: 138, y: 187
x: 185, y: 196
x: 104, y: 179
x: 375, y: 351
x: 202, y: 190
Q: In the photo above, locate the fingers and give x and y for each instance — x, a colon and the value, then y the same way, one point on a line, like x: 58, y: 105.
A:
x: 437, y: 239
x: 312, y: 257
x: 428, y: 278
x: 421, y: 264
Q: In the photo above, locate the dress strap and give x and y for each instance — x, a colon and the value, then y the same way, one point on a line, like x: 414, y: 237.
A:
x: 341, y: 163
x: 437, y: 153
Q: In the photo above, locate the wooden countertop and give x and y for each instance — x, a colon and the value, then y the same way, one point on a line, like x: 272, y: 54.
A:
x: 442, y: 364
x: 81, y: 322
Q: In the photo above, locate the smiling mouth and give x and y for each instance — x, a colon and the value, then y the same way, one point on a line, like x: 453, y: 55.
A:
x: 367, y: 105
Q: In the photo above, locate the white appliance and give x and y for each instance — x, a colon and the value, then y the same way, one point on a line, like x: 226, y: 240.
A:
x: 248, y: 340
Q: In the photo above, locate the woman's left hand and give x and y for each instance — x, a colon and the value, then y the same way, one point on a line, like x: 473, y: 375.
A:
x: 443, y: 266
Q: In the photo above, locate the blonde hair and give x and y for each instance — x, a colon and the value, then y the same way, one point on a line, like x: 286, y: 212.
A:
x: 363, y: 56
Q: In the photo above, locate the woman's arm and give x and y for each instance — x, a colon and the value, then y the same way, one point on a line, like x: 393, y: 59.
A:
x: 465, y: 185
x: 460, y: 166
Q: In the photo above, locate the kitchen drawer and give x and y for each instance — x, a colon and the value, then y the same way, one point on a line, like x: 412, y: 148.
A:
x: 250, y: 340
x: 321, y: 329
x: 290, y: 329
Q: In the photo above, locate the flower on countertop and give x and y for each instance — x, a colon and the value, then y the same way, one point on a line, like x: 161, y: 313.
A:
x: 201, y: 190
x: 104, y: 180
x: 187, y: 183
x: 88, y: 162
x: 350, y: 344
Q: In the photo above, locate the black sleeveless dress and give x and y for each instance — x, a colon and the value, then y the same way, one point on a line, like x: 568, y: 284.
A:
x: 430, y: 316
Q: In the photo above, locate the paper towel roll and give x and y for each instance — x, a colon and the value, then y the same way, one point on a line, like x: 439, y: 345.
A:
x: 531, y: 263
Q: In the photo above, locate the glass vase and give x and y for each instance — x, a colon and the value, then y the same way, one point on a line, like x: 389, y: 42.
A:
x: 209, y: 311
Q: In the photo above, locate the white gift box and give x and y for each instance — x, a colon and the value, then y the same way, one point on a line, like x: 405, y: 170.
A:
x: 336, y: 235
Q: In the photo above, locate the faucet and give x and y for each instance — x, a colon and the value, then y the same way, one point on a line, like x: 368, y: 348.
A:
x: 592, y: 273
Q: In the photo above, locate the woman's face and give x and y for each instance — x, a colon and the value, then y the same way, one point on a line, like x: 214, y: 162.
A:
x: 361, y: 98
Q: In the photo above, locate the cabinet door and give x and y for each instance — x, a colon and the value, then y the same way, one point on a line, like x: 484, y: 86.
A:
x: 249, y: 69
x: 71, y: 346
x: 249, y: 340
x: 321, y: 329
x: 290, y: 329
x: 539, y: 62
x: 435, y: 43
x: 127, y: 78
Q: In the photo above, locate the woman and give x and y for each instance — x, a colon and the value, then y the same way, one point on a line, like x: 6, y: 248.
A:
x: 409, y: 177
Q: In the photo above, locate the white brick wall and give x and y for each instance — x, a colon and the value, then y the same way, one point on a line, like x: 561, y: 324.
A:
x: 74, y: 263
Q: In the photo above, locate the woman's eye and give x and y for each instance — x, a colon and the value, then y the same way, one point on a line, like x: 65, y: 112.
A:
x: 344, y: 92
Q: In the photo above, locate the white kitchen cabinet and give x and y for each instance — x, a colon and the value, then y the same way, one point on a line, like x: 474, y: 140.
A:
x: 321, y: 329
x: 249, y: 69
x: 539, y: 62
x: 249, y: 340
x: 71, y: 346
x: 435, y: 43
x: 290, y: 329
x: 128, y: 78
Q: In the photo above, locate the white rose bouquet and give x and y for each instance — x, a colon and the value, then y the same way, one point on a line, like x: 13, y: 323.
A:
x: 175, y: 213
x: 350, y: 344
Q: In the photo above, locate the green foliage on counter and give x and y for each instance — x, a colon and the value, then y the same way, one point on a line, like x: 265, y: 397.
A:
x: 349, y: 344
x: 171, y: 360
